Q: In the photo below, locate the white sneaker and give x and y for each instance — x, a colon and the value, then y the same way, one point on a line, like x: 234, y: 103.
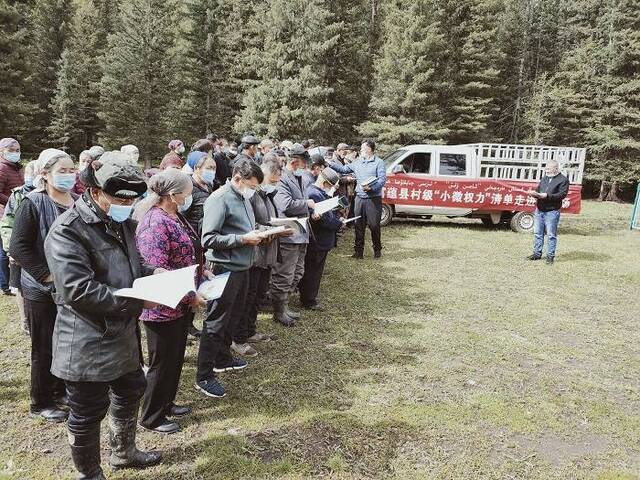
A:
x: 244, y: 349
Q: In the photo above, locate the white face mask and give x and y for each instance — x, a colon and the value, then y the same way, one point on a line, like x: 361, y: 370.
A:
x: 331, y: 191
x: 247, y: 193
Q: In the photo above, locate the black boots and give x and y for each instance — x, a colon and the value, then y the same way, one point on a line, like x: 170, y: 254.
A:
x: 124, y: 453
x: 85, y: 452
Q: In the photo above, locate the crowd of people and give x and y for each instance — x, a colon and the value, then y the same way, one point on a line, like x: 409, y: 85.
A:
x: 73, y: 234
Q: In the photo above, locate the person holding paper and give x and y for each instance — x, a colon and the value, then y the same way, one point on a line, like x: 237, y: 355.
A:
x: 165, y: 239
x: 370, y: 177
x: 324, y: 239
x: 228, y: 238
x: 266, y: 257
x: 292, y: 201
x: 91, y: 252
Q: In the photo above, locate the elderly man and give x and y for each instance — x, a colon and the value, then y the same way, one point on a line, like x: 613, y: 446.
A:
x: 292, y: 201
x: 553, y: 188
x: 91, y: 252
x: 248, y: 149
x: 370, y: 177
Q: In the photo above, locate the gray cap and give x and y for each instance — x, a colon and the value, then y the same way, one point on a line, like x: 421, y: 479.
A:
x: 114, y: 175
x: 297, y: 151
x: 330, y: 176
x: 250, y: 140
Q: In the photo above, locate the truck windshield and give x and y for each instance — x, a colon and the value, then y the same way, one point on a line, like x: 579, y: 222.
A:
x: 392, y: 157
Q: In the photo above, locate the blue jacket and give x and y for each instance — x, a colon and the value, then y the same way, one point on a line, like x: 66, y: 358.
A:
x: 291, y: 201
x: 325, y: 229
x: 364, y: 168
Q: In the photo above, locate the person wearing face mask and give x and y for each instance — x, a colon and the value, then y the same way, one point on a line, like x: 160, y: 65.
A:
x: 551, y: 190
x: 133, y: 152
x: 160, y: 226
x: 204, y: 183
x: 174, y: 157
x: 325, y: 228
x: 92, y: 253
x: 318, y: 164
x: 264, y: 208
x: 228, y: 237
x: 6, y: 227
x: 34, y: 217
x: 11, y: 176
x: 84, y: 159
x: 249, y: 149
x: 292, y: 201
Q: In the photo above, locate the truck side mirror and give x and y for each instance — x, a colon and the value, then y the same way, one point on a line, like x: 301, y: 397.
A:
x: 398, y: 169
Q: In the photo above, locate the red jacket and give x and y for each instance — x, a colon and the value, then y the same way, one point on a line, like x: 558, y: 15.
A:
x: 11, y: 176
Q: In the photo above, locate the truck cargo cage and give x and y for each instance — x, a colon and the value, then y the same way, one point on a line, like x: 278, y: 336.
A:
x: 635, y: 213
x: 527, y: 162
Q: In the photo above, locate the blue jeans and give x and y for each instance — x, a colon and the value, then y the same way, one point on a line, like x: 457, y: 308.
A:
x: 4, y: 269
x: 545, y: 222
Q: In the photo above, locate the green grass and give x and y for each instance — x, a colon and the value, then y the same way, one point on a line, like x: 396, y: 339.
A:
x: 450, y: 358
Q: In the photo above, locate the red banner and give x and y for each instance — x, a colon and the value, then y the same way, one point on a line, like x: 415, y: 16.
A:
x: 486, y: 195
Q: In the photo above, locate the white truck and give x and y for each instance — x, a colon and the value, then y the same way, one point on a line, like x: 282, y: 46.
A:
x: 488, y: 181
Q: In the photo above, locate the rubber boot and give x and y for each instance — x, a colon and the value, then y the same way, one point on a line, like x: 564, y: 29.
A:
x: 124, y: 453
x: 280, y: 316
x: 290, y: 313
x: 85, y: 452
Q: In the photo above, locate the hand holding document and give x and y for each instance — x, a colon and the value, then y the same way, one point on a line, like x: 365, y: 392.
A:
x: 299, y: 224
x: 166, y: 288
x: 272, y: 231
x: 326, y: 205
x: 213, y: 289
x: 368, y: 181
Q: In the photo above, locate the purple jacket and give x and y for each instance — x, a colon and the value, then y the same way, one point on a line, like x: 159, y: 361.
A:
x: 164, y: 242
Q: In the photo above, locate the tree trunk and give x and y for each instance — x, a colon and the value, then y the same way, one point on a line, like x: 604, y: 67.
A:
x: 613, y: 193
x: 604, y: 190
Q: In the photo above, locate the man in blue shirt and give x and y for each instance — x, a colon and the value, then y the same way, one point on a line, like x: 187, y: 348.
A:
x: 368, y: 201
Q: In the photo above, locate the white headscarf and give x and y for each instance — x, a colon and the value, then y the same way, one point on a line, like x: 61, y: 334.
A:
x: 46, y: 160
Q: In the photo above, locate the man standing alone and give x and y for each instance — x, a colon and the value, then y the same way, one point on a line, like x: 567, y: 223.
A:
x: 370, y: 177
x: 553, y: 188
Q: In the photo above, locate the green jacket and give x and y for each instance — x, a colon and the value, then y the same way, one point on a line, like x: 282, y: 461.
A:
x: 10, y: 209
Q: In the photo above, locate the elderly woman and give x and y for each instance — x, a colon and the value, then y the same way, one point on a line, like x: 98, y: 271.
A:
x: 174, y: 157
x: 92, y: 253
x: 11, y: 176
x: 166, y: 240
x: 6, y: 227
x: 34, y: 217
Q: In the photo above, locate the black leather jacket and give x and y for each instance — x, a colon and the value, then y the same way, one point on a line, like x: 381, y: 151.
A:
x: 96, y: 336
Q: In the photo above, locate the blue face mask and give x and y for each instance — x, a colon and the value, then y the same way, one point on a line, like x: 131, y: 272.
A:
x: 208, y: 176
x: 119, y: 213
x: 268, y: 189
x: 13, y: 157
x: 298, y: 172
x: 64, y: 181
x: 186, y: 205
x: 28, y: 181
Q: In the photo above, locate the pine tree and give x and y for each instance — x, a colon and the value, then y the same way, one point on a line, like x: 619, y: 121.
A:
x: 138, y: 88
x: 15, y: 107
x: 292, y: 97
x: 51, y: 29
x: 470, y: 68
x: 75, y: 106
x: 407, y: 81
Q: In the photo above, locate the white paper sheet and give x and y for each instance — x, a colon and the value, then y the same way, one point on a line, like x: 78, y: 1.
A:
x: 300, y: 224
x: 166, y: 288
x: 326, y: 205
x: 212, y: 289
x: 352, y: 219
x: 272, y: 231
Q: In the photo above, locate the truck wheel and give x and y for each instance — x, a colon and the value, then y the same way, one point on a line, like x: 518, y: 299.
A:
x: 387, y: 215
x: 522, y: 222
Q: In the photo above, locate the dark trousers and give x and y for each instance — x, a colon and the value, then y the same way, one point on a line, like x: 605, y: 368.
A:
x: 370, y: 212
x: 313, y: 269
x: 220, y: 324
x: 4, y: 268
x: 15, y: 273
x: 166, y: 343
x: 258, y: 285
x: 44, y: 385
x: 90, y: 401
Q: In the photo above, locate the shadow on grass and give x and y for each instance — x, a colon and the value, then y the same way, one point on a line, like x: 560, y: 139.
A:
x: 584, y: 256
x: 324, y: 444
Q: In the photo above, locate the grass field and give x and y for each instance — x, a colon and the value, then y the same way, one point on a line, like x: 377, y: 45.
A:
x: 451, y: 358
